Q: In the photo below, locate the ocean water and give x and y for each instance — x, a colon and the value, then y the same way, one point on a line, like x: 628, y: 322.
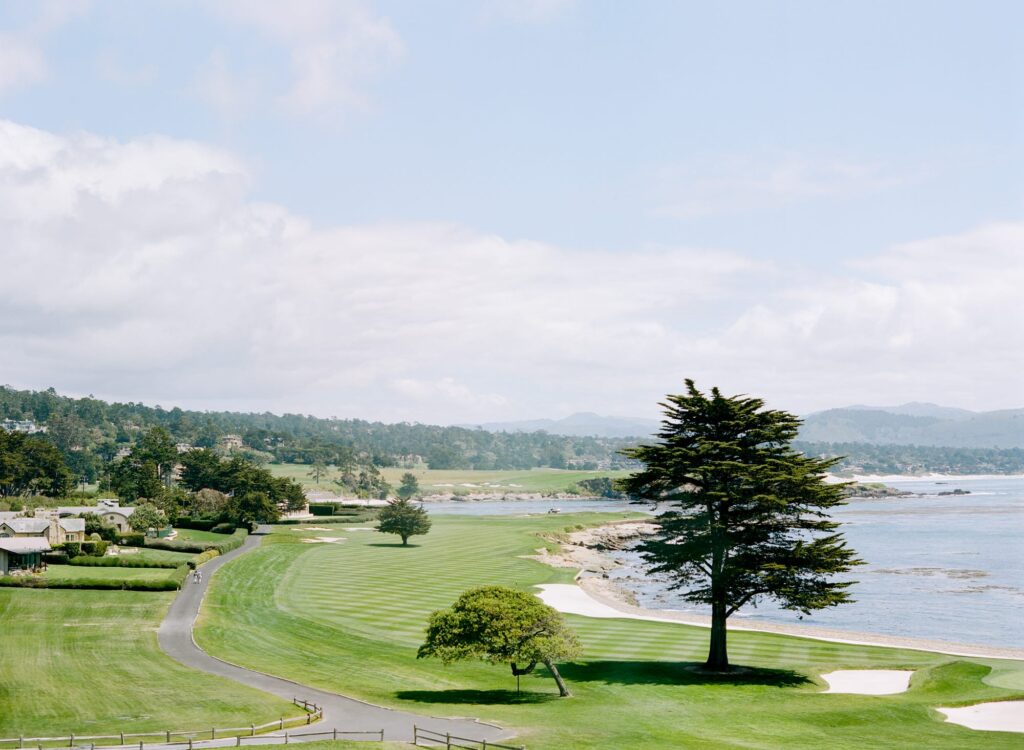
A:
x: 943, y: 567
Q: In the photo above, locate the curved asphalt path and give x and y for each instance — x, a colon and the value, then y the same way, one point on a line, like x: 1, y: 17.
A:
x: 339, y: 712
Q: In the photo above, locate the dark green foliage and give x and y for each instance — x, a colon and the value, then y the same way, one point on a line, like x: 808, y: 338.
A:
x: 600, y: 487
x: 500, y: 625
x: 95, y: 549
x: 409, y: 488
x: 132, y: 539
x: 748, y: 515
x: 250, y: 509
x: 199, y: 524
x: 223, y: 528
x: 95, y: 524
x: 71, y: 549
x: 404, y: 518
x: 203, y: 469
x: 147, y: 516
x: 321, y: 509
x: 31, y: 465
x: 367, y: 482
x: 100, y: 428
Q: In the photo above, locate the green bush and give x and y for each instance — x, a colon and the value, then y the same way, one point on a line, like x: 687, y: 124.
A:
x: 96, y: 548
x: 204, y: 558
x: 234, y: 541
x: 198, y: 524
x: 119, y: 562
x: 180, y: 574
x: 132, y: 539
x: 55, y: 558
x: 322, y: 509
x: 224, y: 528
x: 71, y: 549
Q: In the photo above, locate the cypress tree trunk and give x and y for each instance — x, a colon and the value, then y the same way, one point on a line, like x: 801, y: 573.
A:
x: 405, y: 541
x: 563, y: 691
x: 718, y: 656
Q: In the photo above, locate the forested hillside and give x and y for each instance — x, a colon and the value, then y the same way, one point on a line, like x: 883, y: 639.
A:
x: 91, y: 432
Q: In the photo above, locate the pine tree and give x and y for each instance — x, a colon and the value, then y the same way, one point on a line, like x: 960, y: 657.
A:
x: 747, y: 516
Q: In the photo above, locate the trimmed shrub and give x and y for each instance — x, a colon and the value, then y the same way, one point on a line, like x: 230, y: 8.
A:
x: 71, y: 549
x: 224, y: 528
x: 132, y: 539
x: 96, y: 548
x: 119, y: 562
x: 197, y: 524
x: 234, y: 541
x: 37, y: 582
x: 205, y: 557
x: 54, y: 558
x: 321, y: 509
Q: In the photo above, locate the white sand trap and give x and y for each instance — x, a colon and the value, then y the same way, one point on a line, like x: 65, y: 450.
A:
x: 1002, y: 716
x: 868, y: 681
x: 571, y: 599
x: 359, y: 528
x: 313, y: 528
x: 324, y: 540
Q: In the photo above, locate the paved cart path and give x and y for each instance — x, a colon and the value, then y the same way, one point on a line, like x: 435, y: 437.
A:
x: 339, y: 712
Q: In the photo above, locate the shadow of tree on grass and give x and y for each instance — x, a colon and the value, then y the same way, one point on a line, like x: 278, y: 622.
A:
x: 478, y: 697
x: 676, y: 673
x: 392, y: 544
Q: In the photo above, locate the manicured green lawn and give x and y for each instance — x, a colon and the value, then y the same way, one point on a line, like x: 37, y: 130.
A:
x: 349, y: 617
x: 466, y: 480
x: 117, y: 574
x: 195, y: 535
x: 158, y: 555
x: 88, y: 661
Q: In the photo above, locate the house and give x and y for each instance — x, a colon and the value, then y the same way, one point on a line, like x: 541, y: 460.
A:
x: 110, y: 511
x: 45, y: 524
x: 231, y: 442
x: 27, y: 426
x: 21, y: 553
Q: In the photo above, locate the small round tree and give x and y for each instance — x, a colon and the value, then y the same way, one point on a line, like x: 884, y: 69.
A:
x: 501, y: 625
x: 409, y: 488
x: 403, y: 518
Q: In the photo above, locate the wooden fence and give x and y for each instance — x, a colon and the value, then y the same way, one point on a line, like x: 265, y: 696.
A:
x: 429, y: 738
x: 187, y: 737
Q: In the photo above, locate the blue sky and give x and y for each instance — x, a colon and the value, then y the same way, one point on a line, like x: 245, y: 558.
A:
x: 820, y: 176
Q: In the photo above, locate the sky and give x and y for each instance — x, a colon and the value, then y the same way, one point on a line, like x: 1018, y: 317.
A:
x: 480, y: 210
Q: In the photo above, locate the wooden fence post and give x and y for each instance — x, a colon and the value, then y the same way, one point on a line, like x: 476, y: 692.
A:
x: 168, y: 736
x: 238, y: 741
x: 190, y: 742
x: 335, y: 733
x: 213, y: 733
x: 286, y: 737
x: 122, y: 738
x: 281, y: 724
x: 71, y: 742
x: 252, y: 730
x: 448, y: 741
x: 381, y: 735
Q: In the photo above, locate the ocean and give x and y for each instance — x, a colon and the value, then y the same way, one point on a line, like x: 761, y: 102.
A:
x: 948, y: 567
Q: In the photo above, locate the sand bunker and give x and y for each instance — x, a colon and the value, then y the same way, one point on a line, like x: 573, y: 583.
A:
x: 359, y: 528
x: 571, y: 599
x: 1002, y: 716
x: 324, y: 540
x: 313, y: 528
x: 868, y: 681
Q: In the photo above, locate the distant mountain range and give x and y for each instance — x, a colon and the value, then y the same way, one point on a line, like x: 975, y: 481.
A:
x: 916, y: 424
x: 908, y: 424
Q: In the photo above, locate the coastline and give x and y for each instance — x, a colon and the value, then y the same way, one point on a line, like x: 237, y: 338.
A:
x: 930, y: 477
x: 610, y: 599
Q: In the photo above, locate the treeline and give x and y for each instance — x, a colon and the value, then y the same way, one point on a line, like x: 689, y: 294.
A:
x: 867, y: 458
x: 90, y: 433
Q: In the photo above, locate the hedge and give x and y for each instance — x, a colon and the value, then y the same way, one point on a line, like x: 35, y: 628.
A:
x: 119, y: 562
x: 197, y: 524
x: 234, y: 541
x: 204, y: 557
x: 321, y: 509
x: 171, y: 583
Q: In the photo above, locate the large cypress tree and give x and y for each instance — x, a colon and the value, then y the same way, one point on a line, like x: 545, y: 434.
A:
x: 747, y: 515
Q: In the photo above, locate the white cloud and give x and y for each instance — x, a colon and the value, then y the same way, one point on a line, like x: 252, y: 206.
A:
x: 143, y: 270
x: 335, y: 47
x: 734, y: 184
x: 22, y: 61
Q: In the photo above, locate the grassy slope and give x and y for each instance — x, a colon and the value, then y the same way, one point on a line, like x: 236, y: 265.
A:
x: 348, y: 617
x: 535, y: 480
x: 88, y: 661
x: 195, y: 535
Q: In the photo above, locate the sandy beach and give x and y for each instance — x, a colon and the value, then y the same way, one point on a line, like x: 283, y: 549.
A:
x: 596, y: 596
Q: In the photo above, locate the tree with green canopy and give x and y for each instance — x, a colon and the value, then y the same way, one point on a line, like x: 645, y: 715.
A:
x: 147, y: 516
x: 409, y: 487
x: 747, y: 516
x: 403, y: 518
x: 318, y: 470
x: 501, y: 626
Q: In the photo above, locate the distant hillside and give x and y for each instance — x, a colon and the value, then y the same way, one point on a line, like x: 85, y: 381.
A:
x: 916, y: 424
x: 581, y: 424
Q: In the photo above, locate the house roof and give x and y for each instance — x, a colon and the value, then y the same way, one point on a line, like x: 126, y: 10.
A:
x: 99, y: 510
x: 72, y: 524
x: 24, y: 545
x: 27, y: 525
